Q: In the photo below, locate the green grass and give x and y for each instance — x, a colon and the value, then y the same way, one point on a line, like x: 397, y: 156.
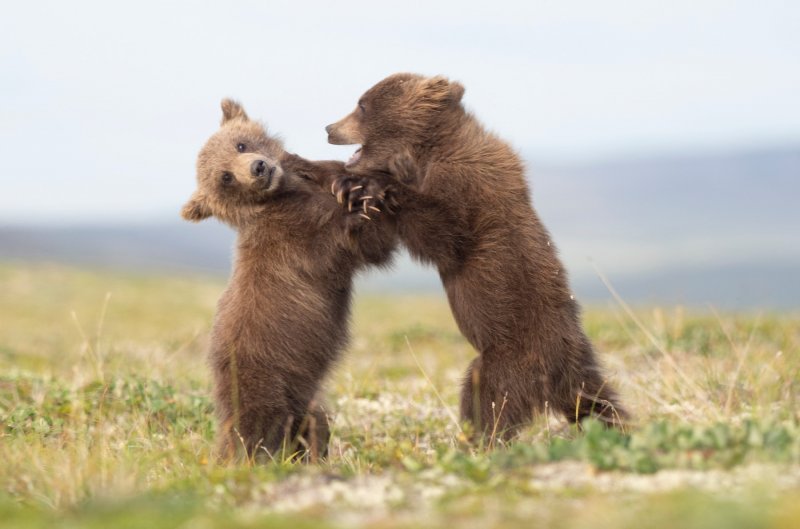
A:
x: 107, y: 421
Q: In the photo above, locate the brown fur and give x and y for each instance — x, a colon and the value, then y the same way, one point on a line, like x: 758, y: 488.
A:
x: 506, y: 286
x: 282, y: 321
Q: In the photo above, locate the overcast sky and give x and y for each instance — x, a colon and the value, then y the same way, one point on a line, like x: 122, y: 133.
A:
x: 104, y: 106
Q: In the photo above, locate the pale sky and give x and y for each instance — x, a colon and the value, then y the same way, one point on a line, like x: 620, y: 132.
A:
x: 105, y: 106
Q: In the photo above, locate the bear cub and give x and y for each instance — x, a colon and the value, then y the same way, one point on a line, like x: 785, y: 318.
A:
x: 505, y: 283
x: 282, y: 321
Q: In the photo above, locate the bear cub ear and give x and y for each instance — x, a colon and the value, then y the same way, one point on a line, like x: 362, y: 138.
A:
x: 196, y: 209
x: 456, y: 91
x: 443, y: 90
x: 232, y: 110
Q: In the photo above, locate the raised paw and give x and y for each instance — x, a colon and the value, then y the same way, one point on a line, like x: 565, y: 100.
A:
x: 365, y: 198
x: 403, y: 168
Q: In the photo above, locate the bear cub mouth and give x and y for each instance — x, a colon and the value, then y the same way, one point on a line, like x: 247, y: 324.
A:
x: 355, y: 157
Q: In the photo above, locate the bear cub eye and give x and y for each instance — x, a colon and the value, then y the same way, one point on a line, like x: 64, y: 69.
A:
x: 226, y: 178
x: 241, y: 147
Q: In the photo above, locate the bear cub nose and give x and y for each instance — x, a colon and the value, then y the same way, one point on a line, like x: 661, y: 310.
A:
x: 329, y: 128
x: 261, y: 168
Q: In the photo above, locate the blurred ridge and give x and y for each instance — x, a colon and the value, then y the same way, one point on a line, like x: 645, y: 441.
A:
x: 716, y: 228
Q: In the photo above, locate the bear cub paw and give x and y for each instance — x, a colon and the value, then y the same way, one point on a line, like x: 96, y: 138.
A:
x: 365, y: 198
x: 403, y: 167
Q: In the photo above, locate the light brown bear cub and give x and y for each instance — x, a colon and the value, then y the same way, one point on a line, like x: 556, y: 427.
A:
x: 283, y: 319
x: 506, y: 286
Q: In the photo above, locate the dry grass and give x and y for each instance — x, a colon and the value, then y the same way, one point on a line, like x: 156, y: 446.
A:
x: 107, y: 420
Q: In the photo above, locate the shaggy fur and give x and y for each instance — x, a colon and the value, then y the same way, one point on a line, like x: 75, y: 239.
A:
x: 282, y: 320
x: 506, y: 286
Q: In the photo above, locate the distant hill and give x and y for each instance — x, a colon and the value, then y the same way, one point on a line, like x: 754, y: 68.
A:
x: 710, y: 209
x: 718, y: 228
x: 172, y: 246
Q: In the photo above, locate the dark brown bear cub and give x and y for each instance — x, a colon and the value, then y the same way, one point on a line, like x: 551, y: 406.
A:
x: 506, y: 286
x: 283, y: 318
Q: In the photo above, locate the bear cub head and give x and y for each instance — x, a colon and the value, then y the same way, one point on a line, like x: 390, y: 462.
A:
x: 399, y: 113
x: 238, y: 169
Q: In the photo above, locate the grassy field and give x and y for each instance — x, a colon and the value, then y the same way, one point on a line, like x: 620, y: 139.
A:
x: 107, y: 422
